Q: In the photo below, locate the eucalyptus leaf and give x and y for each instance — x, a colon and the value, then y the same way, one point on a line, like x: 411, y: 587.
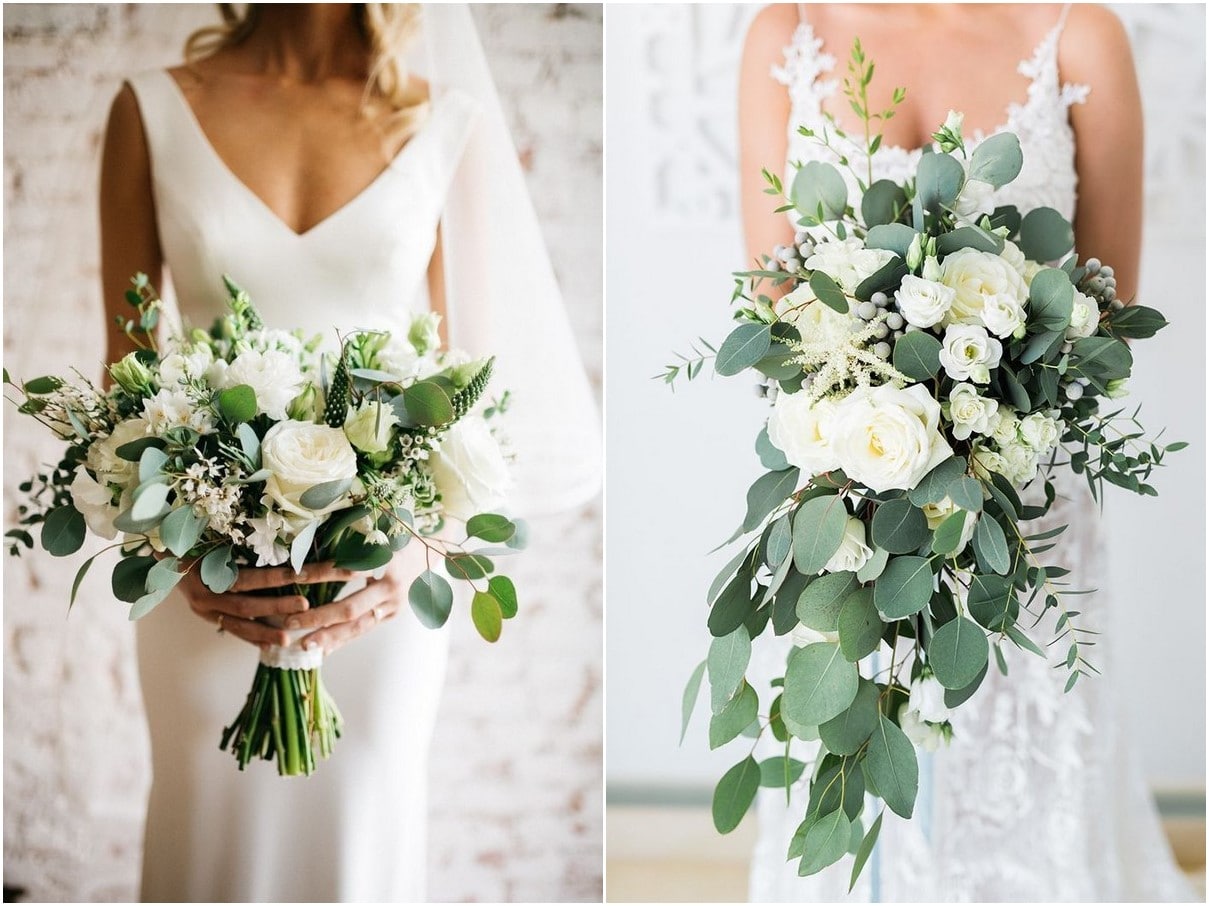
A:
x: 770, y: 457
x: 181, y: 529
x: 955, y: 698
x: 860, y: 625
x: 129, y: 579
x: 325, y: 494
x: 780, y: 543
x: 780, y: 771
x: 826, y: 843
x: 1051, y: 299
x: 934, y: 486
x: 829, y: 292
x: 957, y: 651
x: 874, y: 566
x: 968, y: 237
x: 63, y: 531
x: 817, y: 183
x: 738, y: 714
x: 1045, y: 235
x: 218, y: 572
x: 819, y: 684
x: 151, y: 502
x: 845, y: 733
x: 734, y: 794
x: 490, y: 527
x: 504, y: 591
x: 767, y: 493
x: 691, y: 693
x: 818, y: 530
x: 938, y: 180
x: 891, y: 767
x: 948, y: 534
x: 747, y: 344
x: 903, y: 588
x: 966, y: 492
x: 997, y: 159
x: 732, y: 606
x: 728, y: 659
x: 899, y: 527
x: 917, y: 355
x: 991, y: 547
x: 486, y: 615
x: 427, y: 403
x: 881, y: 204
x: 865, y: 850
x: 237, y: 404
x: 820, y: 602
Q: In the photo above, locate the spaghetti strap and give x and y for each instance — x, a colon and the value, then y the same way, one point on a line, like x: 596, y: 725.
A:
x: 802, y: 13
x: 1061, y: 17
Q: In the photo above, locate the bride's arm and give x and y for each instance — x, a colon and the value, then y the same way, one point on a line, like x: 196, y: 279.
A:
x: 763, y: 122
x: 1108, y: 140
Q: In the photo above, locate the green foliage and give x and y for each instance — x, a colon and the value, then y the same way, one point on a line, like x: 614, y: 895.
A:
x: 734, y: 794
x: 917, y: 355
x: 818, y: 530
x: 736, y: 715
x: 1045, y: 235
x: 860, y: 625
x: 691, y: 693
x: 63, y: 531
x: 829, y: 292
x: 727, y: 662
x: 819, y: 604
x: 891, y: 768
x: 903, y: 588
x: 845, y: 733
x: 486, y: 615
x: 957, y: 652
x: 997, y: 160
x: 819, y: 684
x: 431, y: 597
x: 819, y: 192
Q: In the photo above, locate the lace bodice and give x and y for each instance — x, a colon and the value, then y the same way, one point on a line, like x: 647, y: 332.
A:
x: 1016, y: 808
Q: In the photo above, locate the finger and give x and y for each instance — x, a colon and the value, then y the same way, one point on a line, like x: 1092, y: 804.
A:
x: 342, y: 611
x: 333, y: 637
x: 254, y: 578
x: 252, y: 606
x: 256, y: 633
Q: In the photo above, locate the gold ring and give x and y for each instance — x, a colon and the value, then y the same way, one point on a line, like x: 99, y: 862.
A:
x: 377, y: 616
x: 220, y: 626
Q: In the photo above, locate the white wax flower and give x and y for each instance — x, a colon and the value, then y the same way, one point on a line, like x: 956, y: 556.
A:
x: 301, y: 455
x: 1039, y: 432
x: 273, y: 375
x: 975, y: 276
x: 801, y: 430
x: 968, y: 353
x: 175, y: 409
x: 1084, y: 317
x: 470, y: 470
x: 369, y: 428
x: 853, y: 552
x: 847, y: 261
x: 969, y: 412
x: 923, y: 302
x: 888, y: 438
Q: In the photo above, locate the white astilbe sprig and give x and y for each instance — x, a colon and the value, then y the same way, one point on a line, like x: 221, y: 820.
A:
x: 837, y: 366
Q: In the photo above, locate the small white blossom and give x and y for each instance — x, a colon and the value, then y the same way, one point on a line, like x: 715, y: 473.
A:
x: 968, y: 353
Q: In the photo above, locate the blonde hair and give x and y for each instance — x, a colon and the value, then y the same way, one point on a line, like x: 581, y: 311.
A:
x: 388, y: 28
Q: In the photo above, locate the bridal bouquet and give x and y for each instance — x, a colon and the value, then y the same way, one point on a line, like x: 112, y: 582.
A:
x: 248, y: 446
x: 933, y: 357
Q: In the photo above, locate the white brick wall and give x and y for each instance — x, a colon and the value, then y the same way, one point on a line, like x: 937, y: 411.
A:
x: 516, y: 778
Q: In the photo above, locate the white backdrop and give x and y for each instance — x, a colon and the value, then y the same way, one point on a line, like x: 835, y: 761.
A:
x: 678, y: 464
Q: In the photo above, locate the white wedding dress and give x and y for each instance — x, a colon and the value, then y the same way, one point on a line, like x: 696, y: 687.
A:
x: 355, y: 829
x: 1039, y: 797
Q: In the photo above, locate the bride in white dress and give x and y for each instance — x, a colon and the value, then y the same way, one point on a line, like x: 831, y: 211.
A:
x: 1038, y: 798
x: 303, y: 156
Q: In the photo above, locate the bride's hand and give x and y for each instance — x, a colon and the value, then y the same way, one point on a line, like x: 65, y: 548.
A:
x: 237, y: 612
x: 340, y: 622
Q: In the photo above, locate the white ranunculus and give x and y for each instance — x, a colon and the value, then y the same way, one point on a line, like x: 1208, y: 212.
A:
x: 1012, y: 255
x: 975, y: 199
x: 984, y: 461
x: 925, y: 735
x: 847, y: 261
x: 968, y: 353
x: 969, y: 412
x: 923, y: 302
x: 301, y: 455
x: 888, y: 438
x: 1084, y: 317
x: 1039, y: 431
x: 1019, y: 463
x: 471, y: 473
x: 369, y: 427
x: 1003, y: 315
x: 175, y: 409
x: 975, y: 276
x: 1006, y: 427
x: 853, y: 552
x: 801, y: 430
x: 802, y: 635
x: 273, y: 375
x: 937, y: 513
x: 94, y: 501
x: 927, y: 698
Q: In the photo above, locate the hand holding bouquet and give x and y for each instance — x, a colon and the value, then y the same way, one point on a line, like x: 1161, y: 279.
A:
x: 929, y: 358
x: 247, y: 446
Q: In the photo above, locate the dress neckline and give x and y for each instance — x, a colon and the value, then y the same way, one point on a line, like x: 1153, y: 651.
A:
x: 259, y: 202
x: 1034, y: 66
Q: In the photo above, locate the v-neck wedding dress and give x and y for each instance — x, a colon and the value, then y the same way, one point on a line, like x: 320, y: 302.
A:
x: 355, y: 830
x: 1039, y: 797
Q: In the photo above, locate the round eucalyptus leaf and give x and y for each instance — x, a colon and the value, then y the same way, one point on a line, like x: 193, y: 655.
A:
x: 997, y: 160
x: 894, y: 237
x: 991, y: 547
x: 818, y: 530
x: 771, y: 458
x: 736, y: 716
x: 1045, y: 235
x: 490, y: 527
x: 829, y: 292
x: 882, y: 203
x: 948, y: 534
x: 969, y: 237
x: 819, y: 684
x: 505, y: 592
x: 819, y: 604
x: 903, y: 588
x: 768, y: 492
x: 780, y: 771
x: 1051, y: 299
x: 934, y: 486
x: 238, y: 403
x: 734, y: 794
x: 899, y: 527
x: 891, y: 767
x: 826, y: 843
x: 860, y: 625
x: 63, y: 531
x: 129, y: 579
x: 818, y: 184
x: 957, y: 651
x: 938, y: 180
x: 955, y: 698
x: 181, y: 529
x: 966, y: 492
x: 431, y: 597
x: 991, y: 601
x: 486, y: 615
x: 874, y: 565
x: 917, y: 355
x: 847, y: 732
x: 218, y: 573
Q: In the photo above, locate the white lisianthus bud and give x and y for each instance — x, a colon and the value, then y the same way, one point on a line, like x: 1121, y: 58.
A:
x: 954, y: 122
x: 923, y: 302
x: 1117, y: 389
x: 131, y: 374
x: 915, y: 251
x: 931, y: 270
x: 927, y: 698
x: 969, y: 412
x: 1040, y: 432
x: 853, y: 552
x: 968, y: 353
x: 369, y: 427
x: 925, y: 735
x: 424, y: 333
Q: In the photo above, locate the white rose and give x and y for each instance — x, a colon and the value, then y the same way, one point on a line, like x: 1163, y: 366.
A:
x: 975, y: 276
x: 1003, y: 315
x: 273, y: 375
x: 975, y: 198
x: 470, y: 470
x: 1031, y: 270
x: 1084, y: 317
x: 984, y: 461
x: 937, y: 513
x: 887, y: 438
x: 927, y: 698
x: 1012, y: 255
x: 1019, y: 463
x: 301, y: 455
x: 968, y: 353
x: 1039, y: 431
x: 369, y: 427
x: 923, y: 302
x: 175, y: 409
x: 802, y: 635
x: 801, y: 430
x: 847, y: 261
x: 925, y: 735
x: 1005, y: 429
x: 853, y: 552
x: 969, y: 412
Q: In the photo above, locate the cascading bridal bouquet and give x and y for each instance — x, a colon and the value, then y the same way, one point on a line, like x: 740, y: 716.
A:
x: 926, y: 365
x: 232, y: 447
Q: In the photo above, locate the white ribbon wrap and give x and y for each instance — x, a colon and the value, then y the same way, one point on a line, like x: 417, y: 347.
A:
x: 292, y: 656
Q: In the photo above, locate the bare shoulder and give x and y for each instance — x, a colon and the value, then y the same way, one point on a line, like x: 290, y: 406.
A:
x: 770, y: 31
x: 1095, y: 46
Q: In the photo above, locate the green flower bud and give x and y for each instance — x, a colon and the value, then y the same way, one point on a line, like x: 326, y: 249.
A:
x: 1116, y: 389
x: 423, y: 333
x: 915, y: 252
x: 131, y: 374
x: 306, y: 406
